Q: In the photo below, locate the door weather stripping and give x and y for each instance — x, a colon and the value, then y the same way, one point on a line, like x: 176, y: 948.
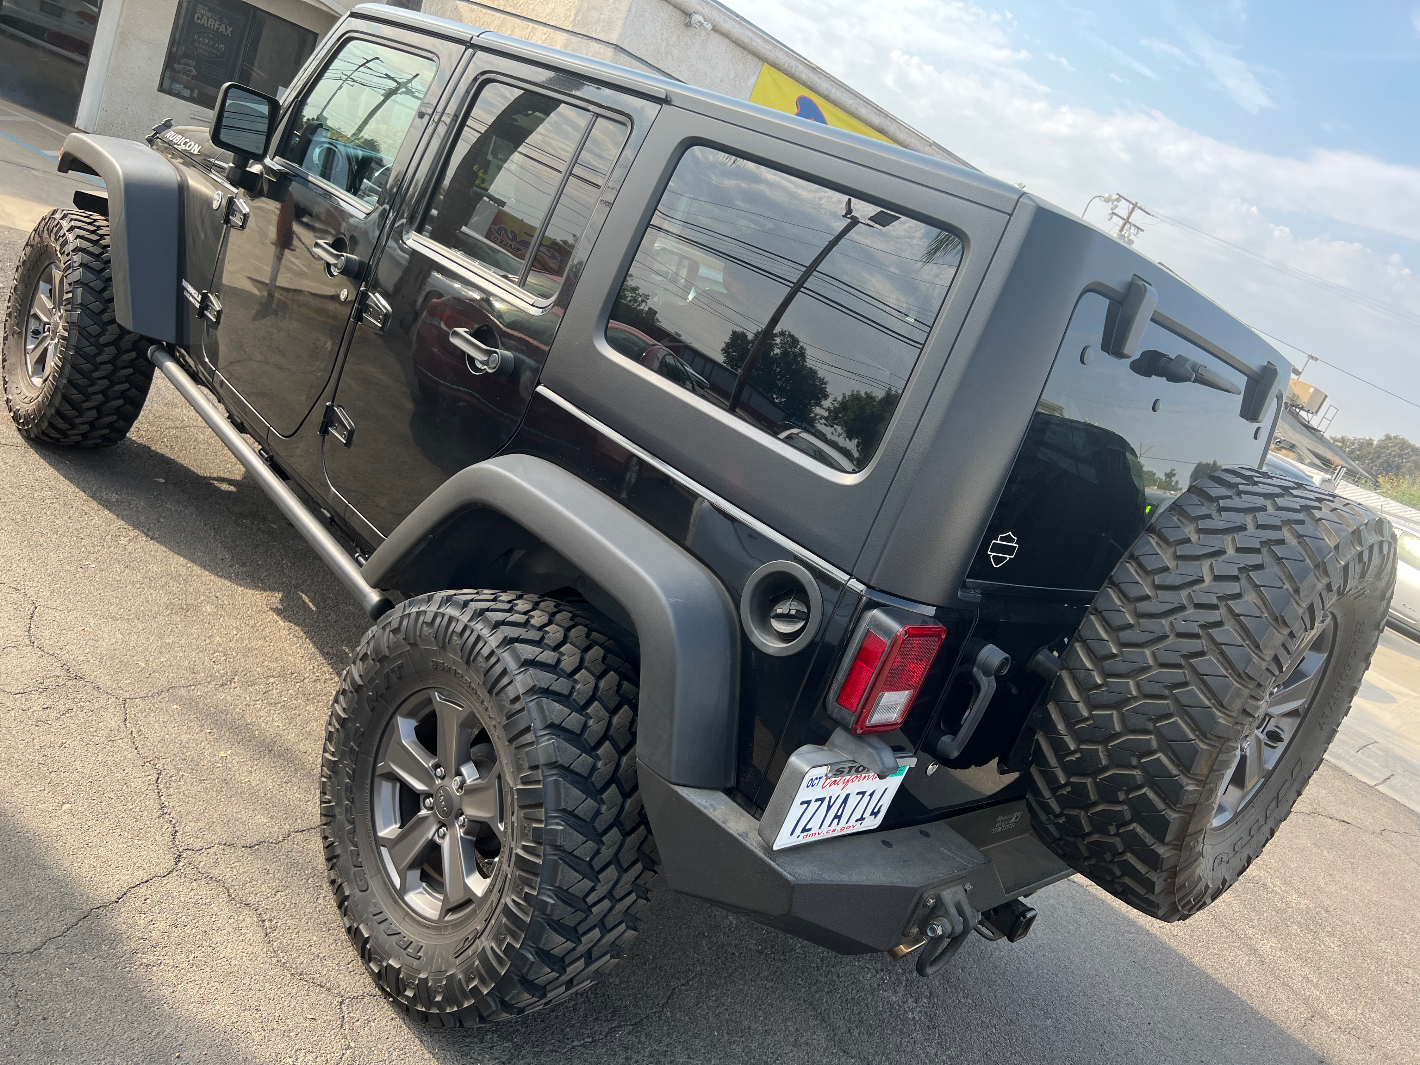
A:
x: 375, y: 602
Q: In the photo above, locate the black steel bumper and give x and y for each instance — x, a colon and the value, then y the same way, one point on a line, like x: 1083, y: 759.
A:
x: 855, y: 894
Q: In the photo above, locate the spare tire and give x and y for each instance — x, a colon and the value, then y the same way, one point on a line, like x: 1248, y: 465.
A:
x: 1204, y: 685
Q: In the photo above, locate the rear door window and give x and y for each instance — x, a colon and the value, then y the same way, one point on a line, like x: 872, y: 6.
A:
x: 799, y: 308
x: 513, y: 161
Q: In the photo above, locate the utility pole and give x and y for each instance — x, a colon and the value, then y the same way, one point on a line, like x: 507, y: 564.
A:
x: 1128, y: 228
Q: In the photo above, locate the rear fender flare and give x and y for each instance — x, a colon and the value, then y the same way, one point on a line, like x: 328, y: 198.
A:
x: 144, y: 217
x: 686, y: 622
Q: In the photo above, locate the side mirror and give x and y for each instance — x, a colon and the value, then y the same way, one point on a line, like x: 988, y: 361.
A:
x: 244, y: 120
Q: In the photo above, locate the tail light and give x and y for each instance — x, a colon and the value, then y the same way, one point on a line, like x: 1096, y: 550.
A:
x: 881, y: 680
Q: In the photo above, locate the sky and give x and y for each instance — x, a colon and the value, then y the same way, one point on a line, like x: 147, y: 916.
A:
x: 1289, y: 129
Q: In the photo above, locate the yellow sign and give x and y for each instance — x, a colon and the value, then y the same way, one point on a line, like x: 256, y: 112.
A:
x: 777, y: 90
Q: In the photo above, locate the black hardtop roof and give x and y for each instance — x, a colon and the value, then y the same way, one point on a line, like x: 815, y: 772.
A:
x: 984, y: 189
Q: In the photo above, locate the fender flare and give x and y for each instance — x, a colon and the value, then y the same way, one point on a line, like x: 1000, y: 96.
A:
x: 144, y: 215
x: 685, y: 620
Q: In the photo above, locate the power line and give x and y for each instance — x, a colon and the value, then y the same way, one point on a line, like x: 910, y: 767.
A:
x: 1390, y: 310
x: 1338, y: 369
x: 1304, y: 351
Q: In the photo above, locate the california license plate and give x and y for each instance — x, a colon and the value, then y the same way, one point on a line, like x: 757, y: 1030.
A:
x: 836, y: 800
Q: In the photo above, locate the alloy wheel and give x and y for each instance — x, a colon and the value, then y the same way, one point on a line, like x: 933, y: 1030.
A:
x: 42, y: 329
x: 440, y: 805
x: 1281, y: 719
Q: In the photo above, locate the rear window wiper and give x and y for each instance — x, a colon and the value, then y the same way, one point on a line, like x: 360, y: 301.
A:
x: 1181, y: 370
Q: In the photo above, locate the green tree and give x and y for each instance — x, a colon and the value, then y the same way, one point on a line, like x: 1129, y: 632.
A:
x: 1390, y: 456
x: 1203, y: 469
x: 782, y: 374
x: 633, y: 308
x: 861, y: 417
x: 1167, y: 483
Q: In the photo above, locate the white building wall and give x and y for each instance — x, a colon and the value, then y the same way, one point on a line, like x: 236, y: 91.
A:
x: 121, y: 97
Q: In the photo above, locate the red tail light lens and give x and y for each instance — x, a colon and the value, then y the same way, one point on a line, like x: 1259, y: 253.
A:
x: 884, y: 678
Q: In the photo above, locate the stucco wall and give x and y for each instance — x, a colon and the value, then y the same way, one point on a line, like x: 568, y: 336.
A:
x: 121, y: 97
x: 644, y: 34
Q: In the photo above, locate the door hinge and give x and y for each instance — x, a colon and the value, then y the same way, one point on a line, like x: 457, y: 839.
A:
x: 210, y: 307
x: 374, y: 310
x: 337, y: 423
x: 237, y: 215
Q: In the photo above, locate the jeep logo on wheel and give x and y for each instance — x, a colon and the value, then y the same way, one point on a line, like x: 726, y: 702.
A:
x: 1002, y: 549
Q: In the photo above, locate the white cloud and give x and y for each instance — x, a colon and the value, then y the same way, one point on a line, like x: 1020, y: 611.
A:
x: 1232, y: 74
x: 1120, y: 56
x: 951, y: 70
x: 1061, y: 60
x: 1165, y: 50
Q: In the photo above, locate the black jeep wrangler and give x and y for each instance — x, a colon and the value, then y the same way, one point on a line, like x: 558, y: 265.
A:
x: 853, y: 539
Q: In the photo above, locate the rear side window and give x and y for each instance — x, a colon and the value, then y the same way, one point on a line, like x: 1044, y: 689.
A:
x: 513, y: 161
x: 353, y: 119
x: 796, y: 307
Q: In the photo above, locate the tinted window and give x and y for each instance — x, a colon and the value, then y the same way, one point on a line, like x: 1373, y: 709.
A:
x: 574, y: 206
x: 730, y: 242
x: 1105, y: 450
x: 501, y: 180
x: 353, y: 119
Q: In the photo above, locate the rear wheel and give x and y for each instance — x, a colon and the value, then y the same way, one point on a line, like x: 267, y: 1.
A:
x: 483, y: 831
x: 71, y: 374
x: 1205, y: 684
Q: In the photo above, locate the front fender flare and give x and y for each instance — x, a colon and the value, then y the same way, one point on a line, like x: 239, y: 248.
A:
x: 685, y: 621
x: 144, y: 216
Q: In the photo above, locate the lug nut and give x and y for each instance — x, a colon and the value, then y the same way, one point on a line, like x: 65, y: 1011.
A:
x: 428, y: 802
x: 439, y: 771
x: 458, y: 783
x: 442, y: 834
x: 462, y: 821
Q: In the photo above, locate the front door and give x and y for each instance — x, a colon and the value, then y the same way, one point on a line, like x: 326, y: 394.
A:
x: 288, y: 280
x: 467, y: 295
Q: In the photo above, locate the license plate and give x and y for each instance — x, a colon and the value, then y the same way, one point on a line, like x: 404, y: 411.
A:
x: 835, y: 800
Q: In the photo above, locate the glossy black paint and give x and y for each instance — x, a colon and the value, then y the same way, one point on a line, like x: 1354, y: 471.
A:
x: 420, y: 411
x: 284, y: 317
x: 204, y: 196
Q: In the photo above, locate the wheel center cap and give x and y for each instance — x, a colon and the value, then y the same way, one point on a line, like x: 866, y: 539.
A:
x: 446, y: 803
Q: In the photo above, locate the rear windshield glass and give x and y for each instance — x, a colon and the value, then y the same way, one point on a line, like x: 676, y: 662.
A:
x: 798, y: 308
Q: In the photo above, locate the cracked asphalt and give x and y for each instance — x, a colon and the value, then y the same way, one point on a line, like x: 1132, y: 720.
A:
x: 168, y: 649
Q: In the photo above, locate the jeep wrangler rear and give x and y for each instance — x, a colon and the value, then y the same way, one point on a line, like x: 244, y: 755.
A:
x: 879, y: 541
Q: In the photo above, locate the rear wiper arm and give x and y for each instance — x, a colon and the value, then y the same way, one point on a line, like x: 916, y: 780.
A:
x: 1181, y: 370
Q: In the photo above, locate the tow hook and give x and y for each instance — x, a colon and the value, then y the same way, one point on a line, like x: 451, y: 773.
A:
x: 948, y: 923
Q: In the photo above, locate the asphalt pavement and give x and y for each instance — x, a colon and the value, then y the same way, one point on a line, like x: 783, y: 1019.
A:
x: 168, y: 650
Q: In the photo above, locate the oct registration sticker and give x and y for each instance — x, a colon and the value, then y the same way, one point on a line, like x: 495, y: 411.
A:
x: 835, y: 800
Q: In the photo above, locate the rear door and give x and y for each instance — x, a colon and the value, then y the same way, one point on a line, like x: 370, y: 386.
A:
x: 469, y: 289
x: 324, y: 195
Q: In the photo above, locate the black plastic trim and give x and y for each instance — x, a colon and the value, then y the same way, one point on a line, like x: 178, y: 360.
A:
x: 145, y: 206
x: 854, y: 894
x: 685, y: 621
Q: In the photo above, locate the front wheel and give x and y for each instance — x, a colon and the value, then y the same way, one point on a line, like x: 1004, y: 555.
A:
x: 483, y: 831
x: 71, y: 374
x: 1204, y: 685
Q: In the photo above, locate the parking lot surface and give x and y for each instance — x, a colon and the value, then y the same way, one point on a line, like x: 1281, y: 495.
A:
x: 168, y: 650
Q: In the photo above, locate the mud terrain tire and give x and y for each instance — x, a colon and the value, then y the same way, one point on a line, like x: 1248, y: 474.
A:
x: 548, y: 732
x: 1169, y: 684
x: 95, y: 374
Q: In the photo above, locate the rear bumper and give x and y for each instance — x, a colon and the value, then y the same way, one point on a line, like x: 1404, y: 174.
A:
x: 854, y: 894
